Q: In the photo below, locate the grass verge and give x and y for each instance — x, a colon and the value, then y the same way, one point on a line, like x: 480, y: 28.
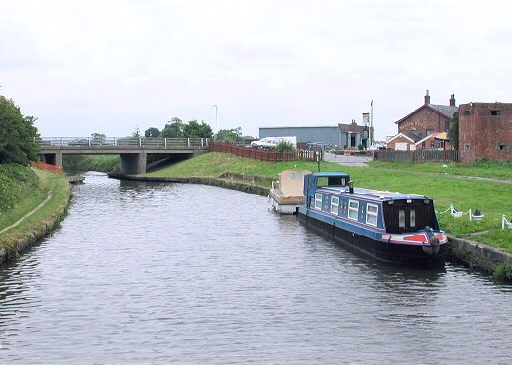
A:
x: 40, y: 221
x: 494, y: 199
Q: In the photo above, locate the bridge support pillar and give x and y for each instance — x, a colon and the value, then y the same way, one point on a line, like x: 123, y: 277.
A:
x: 133, y: 163
x: 52, y: 158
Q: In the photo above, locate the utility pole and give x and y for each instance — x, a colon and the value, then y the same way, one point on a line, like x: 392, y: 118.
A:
x: 216, y: 123
x: 371, y: 123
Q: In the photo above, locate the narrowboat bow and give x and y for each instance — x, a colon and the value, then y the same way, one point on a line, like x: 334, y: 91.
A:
x: 390, y: 227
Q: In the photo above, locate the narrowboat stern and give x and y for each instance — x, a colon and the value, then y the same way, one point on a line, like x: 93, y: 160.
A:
x: 390, y: 227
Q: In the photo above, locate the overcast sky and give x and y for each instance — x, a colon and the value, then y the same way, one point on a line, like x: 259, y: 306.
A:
x: 110, y: 66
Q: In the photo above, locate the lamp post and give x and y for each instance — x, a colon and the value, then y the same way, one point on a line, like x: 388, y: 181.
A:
x: 216, y: 123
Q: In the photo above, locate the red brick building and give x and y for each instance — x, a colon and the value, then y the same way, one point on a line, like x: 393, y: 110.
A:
x: 485, y: 131
x: 422, y: 122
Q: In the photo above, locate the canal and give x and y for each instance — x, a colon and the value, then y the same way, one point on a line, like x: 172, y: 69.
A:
x: 163, y: 273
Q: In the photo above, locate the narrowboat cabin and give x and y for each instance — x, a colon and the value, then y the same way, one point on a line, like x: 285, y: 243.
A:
x: 390, y: 227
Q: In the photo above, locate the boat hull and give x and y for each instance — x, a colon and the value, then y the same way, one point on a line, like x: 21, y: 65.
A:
x: 400, y: 254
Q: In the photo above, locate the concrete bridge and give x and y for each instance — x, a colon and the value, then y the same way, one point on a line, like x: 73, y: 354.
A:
x: 133, y: 151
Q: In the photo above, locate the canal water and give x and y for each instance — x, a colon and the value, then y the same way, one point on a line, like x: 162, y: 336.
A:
x: 190, y: 274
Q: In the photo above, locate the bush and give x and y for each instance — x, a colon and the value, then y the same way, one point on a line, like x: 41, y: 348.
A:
x: 503, y: 272
x: 285, y: 146
x: 16, y: 182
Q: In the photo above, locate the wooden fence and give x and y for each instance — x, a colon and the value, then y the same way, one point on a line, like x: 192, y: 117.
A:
x: 416, y: 156
x: 264, y: 155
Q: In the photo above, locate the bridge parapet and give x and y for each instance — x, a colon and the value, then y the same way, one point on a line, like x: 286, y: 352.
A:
x: 119, y: 143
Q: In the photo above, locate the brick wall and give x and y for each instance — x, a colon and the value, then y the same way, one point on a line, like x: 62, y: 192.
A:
x: 423, y: 120
x: 485, y: 131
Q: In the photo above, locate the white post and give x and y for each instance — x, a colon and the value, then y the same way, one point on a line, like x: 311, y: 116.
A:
x: 470, y: 215
x: 61, y: 141
x: 89, y: 140
x: 140, y: 142
x: 503, y: 221
x: 188, y: 142
x: 165, y: 142
x: 115, y: 144
x: 202, y: 142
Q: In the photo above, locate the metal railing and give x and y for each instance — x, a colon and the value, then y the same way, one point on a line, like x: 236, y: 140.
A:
x: 122, y: 143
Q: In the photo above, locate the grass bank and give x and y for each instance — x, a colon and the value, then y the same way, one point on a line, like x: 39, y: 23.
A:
x: 494, y: 199
x: 22, y: 190
x: 490, y: 169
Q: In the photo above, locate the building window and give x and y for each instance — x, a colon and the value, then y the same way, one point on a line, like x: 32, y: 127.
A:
x: 429, y: 132
x: 446, y: 126
x: 424, y: 144
x: 335, y: 203
x: 412, y: 218
x: 466, y: 112
x: 495, y: 112
x: 503, y: 147
x: 318, y: 201
x: 353, y: 209
x: 401, y: 218
x: 371, y: 214
x: 467, y: 147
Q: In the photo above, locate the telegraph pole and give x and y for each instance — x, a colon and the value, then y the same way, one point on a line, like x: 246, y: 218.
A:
x: 216, y: 123
x: 371, y: 123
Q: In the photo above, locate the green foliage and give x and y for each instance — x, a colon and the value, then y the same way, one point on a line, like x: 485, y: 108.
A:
x: 195, y: 130
x: 503, y: 272
x: 98, y: 138
x: 152, y: 132
x: 233, y: 136
x: 453, y: 132
x: 82, y: 163
x: 17, y: 134
x: 16, y: 182
x: 285, y: 146
x: 173, y: 129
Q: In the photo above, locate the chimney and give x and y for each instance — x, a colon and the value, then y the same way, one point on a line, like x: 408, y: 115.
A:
x: 427, y: 98
x: 452, y: 100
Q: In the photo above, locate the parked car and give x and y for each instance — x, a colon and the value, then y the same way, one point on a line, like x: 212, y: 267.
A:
x: 272, y: 142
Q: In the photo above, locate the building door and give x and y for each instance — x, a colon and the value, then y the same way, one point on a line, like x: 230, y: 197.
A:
x: 353, y: 140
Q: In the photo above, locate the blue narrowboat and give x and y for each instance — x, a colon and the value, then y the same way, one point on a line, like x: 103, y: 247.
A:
x: 390, y: 227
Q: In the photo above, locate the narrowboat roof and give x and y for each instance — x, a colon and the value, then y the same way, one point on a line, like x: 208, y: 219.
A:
x: 322, y: 174
x: 372, y: 194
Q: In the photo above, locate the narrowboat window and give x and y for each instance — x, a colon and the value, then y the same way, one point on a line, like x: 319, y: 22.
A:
x: 335, y: 203
x: 412, y: 218
x: 401, y: 218
x: 353, y: 209
x: 318, y: 201
x: 371, y: 214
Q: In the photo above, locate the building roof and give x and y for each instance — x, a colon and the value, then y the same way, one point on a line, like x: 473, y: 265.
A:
x: 412, y: 135
x: 405, y: 135
x: 352, y: 127
x: 445, y: 110
x: 443, y: 136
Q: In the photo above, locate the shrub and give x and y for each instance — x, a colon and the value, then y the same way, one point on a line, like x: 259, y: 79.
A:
x: 285, y: 146
x: 503, y: 272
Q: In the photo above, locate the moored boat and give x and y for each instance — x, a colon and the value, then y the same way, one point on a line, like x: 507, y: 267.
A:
x: 390, y: 227
x: 286, y: 193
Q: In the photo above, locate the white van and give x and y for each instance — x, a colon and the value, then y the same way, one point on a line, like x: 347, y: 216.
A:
x: 272, y: 142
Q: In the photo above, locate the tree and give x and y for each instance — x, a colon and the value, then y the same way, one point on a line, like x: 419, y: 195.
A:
x: 174, y: 129
x: 136, y: 133
x: 453, y: 132
x: 233, y: 136
x: 195, y: 130
x: 17, y: 134
x: 152, y: 132
x: 97, y: 138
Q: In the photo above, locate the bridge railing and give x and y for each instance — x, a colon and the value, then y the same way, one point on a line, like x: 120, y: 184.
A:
x: 122, y: 142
